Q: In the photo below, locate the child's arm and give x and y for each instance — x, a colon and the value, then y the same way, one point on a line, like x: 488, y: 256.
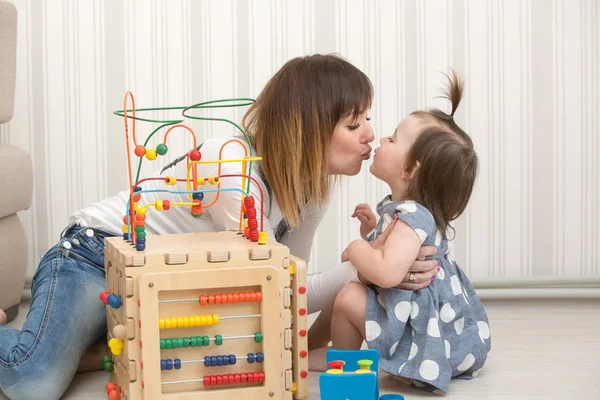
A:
x: 387, y: 265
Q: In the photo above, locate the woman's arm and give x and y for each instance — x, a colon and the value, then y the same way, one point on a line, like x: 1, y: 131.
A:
x: 300, y: 240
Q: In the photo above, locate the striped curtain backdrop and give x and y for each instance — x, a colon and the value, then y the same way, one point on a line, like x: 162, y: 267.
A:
x: 531, y: 105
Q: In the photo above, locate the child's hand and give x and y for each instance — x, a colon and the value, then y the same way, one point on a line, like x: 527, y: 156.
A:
x: 367, y: 219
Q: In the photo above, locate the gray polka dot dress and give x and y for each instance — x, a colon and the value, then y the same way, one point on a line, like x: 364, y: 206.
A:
x: 434, y: 334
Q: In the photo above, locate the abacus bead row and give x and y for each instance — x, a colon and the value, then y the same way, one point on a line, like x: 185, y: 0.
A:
x: 230, y: 379
x: 192, y: 341
x: 188, y: 322
x: 169, y: 364
x: 230, y: 298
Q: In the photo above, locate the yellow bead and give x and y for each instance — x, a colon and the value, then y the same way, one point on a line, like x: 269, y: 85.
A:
x: 213, y: 180
x: 180, y: 322
x: 186, y: 322
x: 126, y: 229
x: 203, y: 320
x: 161, y: 323
x: 200, y: 180
x: 170, y: 180
x: 262, y: 237
x: 209, y: 320
x: 159, y: 205
x: 167, y: 323
x: 174, y: 322
x: 140, y: 211
x: 151, y: 154
x: 215, y: 318
x: 198, y: 320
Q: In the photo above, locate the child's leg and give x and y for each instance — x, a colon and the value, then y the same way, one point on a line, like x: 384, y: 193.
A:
x: 348, y: 321
x: 65, y: 318
x: 322, y: 288
x: 319, y: 333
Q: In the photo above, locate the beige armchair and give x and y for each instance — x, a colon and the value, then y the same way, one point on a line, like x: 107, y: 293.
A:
x: 16, y: 175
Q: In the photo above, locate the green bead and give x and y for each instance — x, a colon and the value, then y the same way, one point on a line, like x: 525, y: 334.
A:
x: 139, y: 229
x: 196, y: 215
x: 186, y: 342
x: 218, y: 340
x: 141, y: 234
x: 108, y: 366
x: 169, y: 344
x: 161, y: 149
x: 194, y: 341
x: 163, y: 344
x: 179, y: 342
x: 106, y: 359
x: 206, y: 341
x: 258, y: 337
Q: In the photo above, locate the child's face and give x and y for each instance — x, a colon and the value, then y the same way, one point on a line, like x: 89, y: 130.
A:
x: 389, y: 159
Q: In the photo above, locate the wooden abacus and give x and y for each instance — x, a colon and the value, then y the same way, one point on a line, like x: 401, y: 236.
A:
x: 205, y: 316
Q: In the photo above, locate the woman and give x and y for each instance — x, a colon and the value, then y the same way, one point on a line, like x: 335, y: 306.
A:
x: 310, y: 123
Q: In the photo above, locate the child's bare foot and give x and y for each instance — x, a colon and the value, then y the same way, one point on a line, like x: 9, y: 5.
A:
x: 92, y: 359
x: 3, y: 317
x: 317, y: 359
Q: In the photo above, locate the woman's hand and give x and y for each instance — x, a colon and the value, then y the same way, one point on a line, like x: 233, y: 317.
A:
x: 367, y: 219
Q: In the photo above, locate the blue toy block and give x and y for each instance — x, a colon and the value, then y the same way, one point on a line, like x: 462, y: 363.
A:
x: 350, y: 385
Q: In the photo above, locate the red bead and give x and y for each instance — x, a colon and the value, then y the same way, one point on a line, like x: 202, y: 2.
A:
x: 109, y: 385
x: 261, y: 376
x: 104, y: 297
x: 195, y: 155
x: 211, y: 299
x: 218, y: 299
x: 301, y: 290
x: 247, y: 232
x: 114, y: 395
x: 253, y: 297
x: 206, y: 381
x: 137, y: 197
x: 302, y: 311
x: 225, y: 379
x: 126, y: 220
x: 140, y: 217
x: 251, y: 377
x: 302, y: 332
x: 203, y: 300
x: 303, y: 353
x: 219, y: 380
x: 258, y: 296
x: 249, y: 201
x: 253, y: 235
x: 303, y: 374
x: 229, y: 298
x: 140, y: 151
x: 236, y: 297
x: 213, y: 380
x: 166, y: 205
x: 252, y: 224
x: 237, y: 378
x: 251, y: 213
x: 244, y: 378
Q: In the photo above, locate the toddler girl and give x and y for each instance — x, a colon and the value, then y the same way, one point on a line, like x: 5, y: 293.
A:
x: 429, y: 336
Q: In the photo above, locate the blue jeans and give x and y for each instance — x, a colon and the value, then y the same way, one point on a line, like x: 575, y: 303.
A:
x: 66, y: 317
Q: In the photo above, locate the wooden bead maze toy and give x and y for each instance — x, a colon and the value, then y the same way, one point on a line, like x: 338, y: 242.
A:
x: 213, y: 315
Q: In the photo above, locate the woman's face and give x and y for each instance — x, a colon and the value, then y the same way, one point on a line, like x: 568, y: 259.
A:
x: 350, y: 144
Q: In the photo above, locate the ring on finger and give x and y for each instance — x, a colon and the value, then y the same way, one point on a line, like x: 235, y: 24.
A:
x: 411, y: 277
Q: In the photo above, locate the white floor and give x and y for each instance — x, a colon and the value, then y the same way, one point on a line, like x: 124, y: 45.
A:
x: 541, y: 349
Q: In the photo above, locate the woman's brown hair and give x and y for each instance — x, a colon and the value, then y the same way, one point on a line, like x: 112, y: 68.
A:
x: 447, y: 161
x: 292, y: 122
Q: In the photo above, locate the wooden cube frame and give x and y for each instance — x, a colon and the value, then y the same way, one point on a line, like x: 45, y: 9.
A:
x: 153, y: 283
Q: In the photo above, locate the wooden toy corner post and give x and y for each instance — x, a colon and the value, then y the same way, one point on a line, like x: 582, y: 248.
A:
x: 206, y: 316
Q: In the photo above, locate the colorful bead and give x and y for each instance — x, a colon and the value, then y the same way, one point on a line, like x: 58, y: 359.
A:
x: 198, y: 196
x: 206, y: 340
x: 163, y: 365
x: 158, y: 205
x: 141, y: 240
x: 169, y: 365
x: 141, y: 235
x: 200, y: 180
x: 140, y: 247
x: 170, y: 180
x: 195, y: 155
x: 260, y: 357
x: 213, y: 180
x: 218, y: 340
x: 166, y: 205
x: 162, y: 149
x: 207, y: 362
x: 104, y: 297
x: 114, y: 301
x: 151, y: 154
x: 140, y: 151
x: 232, y: 359
x: 250, y: 358
x: 258, y: 337
x: 225, y: 359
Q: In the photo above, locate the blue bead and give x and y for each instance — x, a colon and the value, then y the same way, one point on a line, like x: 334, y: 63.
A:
x: 140, y: 246
x: 169, y: 364
x: 126, y: 236
x: 140, y: 240
x: 260, y: 357
x: 114, y: 301
x: 163, y: 365
x: 207, y: 361
x: 225, y: 359
x: 177, y: 363
x: 198, y: 196
x: 219, y: 360
x: 213, y: 361
x: 232, y: 359
x: 250, y: 358
x: 137, y: 189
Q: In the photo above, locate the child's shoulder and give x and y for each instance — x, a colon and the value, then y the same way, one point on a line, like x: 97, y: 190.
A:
x: 418, y: 217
